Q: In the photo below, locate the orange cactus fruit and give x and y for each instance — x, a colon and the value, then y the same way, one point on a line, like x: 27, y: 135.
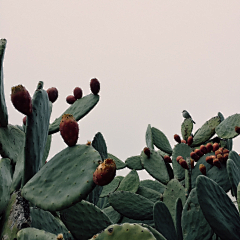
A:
x: 146, y: 150
x: 237, y: 129
x: 183, y: 163
x: 216, y: 163
x: 209, y: 159
x: 178, y: 158
x: 194, y: 156
x: 202, y: 169
x: 167, y: 159
x: 189, y: 140
x: 199, y: 152
x: 209, y: 147
x: 177, y: 138
x: 183, y: 141
x: 215, y: 147
x: 203, y: 149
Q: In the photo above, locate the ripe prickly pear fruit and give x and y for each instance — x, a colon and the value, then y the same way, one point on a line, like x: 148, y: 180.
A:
x: 183, y: 163
x: 77, y: 92
x: 209, y: 147
x: 218, y: 152
x: 69, y: 129
x: 194, y: 156
x: 237, y: 129
x: 225, y: 151
x: 52, y: 94
x: 216, y: 163
x: 105, y: 172
x: 202, y: 169
x: 178, y: 158
x: 203, y: 149
x: 21, y: 99
x: 209, y: 159
x: 70, y: 99
x: 146, y: 150
x: 189, y: 140
x: 215, y: 147
x: 220, y: 157
x: 177, y: 138
x: 167, y: 159
x: 25, y: 120
x: 225, y: 157
x: 94, y: 86
x: 199, y: 152
x: 183, y: 141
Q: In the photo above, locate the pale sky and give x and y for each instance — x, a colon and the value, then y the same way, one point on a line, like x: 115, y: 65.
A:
x: 153, y: 59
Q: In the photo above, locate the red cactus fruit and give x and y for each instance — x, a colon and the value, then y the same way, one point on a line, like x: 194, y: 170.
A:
x: 52, y: 94
x: 216, y: 163
x: 237, y: 129
x: 218, y: 152
x: 77, y: 92
x: 199, y: 152
x: 178, y: 158
x: 190, y: 140
x: 203, y: 149
x: 220, y: 157
x: 70, y: 99
x: 69, y: 129
x: 21, y: 100
x: 192, y: 163
x: 215, y: 147
x: 194, y: 156
x: 105, y: 172
x: 167, y: 159
x: 183, y: 141
x: 209, y: 159
x: 25, y: 120
x: 202, y: 169
x: 146, y: 150
x: 94, y: 86
x: 225, y: 151
x: 183, y: 163
x: 177, y: 138
x: 225, y: 157
x: 209, y: 147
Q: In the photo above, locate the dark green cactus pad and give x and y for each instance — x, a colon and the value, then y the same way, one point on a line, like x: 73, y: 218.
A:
x: 161, y: 141
x: 218, y: 209
x: 235, y: 157
x: 186, y: 128
x: 179, y: 208
x: 120, y: 178
x: 46, y: 149
x: 131, y: 205
x: 149, y: 193
x: 149, y: 137
x: 110, y: 188
x: 206, y: 131
x: 78, y: 109
x: 100, y: 145
x: 162, y: 153
x: 229, y: 144
x: 226, y: 129
x: 220, y: 115
x: 94, y: 194
x: 44, y: 220
x: 36, y: 133
x: 129, y: 220
x: 36, y: 234
x: 163, y: 221
x: 11, y: 141
x: 3, y: 106
x: 155, y: 166
x: 119, y: 163
x: 238, y: 196
x: 130, y: 183
x: 112, y: 214
x: 155, y: 185
x: 134, y: 162
x: 173, y: 191
x: 84, y: 220
x: 234, y: 175
x: 170, y: 170
x: 5, y: 183
x: 54, y: 189
x: 194, y: 224
x: 156, y: 234
x: 183, y: 150
x: 103, y: 203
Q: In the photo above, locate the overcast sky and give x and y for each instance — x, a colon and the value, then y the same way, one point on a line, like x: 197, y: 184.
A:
x: 152, y: 58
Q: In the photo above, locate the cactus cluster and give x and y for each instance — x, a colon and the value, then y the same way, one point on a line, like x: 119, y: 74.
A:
x: 76, y: 194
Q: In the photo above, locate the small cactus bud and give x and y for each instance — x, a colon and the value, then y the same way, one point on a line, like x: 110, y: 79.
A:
x: 225, y: 151
x: 199, y: 152
x: 215, y: 147
x: 194, y: 156
x: 225, y: 157
x: 190, y: 140
x: 220, y: 157
x: 216, y: 163
x: 88, y: 143
x: 146, y: 150
x: 52, y: 94
x: 209, y: 159
x: 203, y: 149
x: 218, y: 152
x: 177, y: 138
x: 60, y: 236
x: 167, y: 159
x: 25, y: 120
x: 183, y: 141
x: 178, y: 158
x: 95, y: 86
x: 70, y: 99
x: 183, y: 163
x: 77, y: 92
x: 237, y: 129
x: 202, y: 169
x: 209, y: 147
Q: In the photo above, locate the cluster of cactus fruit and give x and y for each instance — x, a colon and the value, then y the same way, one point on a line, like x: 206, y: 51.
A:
x: 77, y: 195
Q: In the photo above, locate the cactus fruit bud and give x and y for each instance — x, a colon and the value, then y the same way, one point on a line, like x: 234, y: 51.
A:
x: 220, y: 157
x: 225, y: 151
x: 225, y: 157
x: 194, y: 156
x: 60, y: 236
x: 209, y: 159
x: 183, y: 141
x: 77, y: 92
x: 178, y: 158
x: 88, y: 143
x: 21, y: 100
x: 199, y: 152
x: 167, y: 159
x: 183, y: 163
x: 177, y: 138
x: 105, y: 172
x: 216, y: 163
x: 202, y: 169
x: 215, y: 147
x: 209, y: 147
x: 146, y: 150
x: 69, y: 129
x: 25, y: 120
x: 70, y: 99
x: 95, y: 86
x: 203, y: 149
x: 190, y: 140
x: 52, y: 94
x: 218, y: 152
x: 237, y: 129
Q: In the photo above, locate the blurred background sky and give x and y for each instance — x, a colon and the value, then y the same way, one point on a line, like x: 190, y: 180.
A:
x: 152, y: 58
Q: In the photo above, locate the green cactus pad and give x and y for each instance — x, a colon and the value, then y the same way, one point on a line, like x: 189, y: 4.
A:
x: 110, y: 188
x: 161, y: 141
x: 155, y: 185
x: 226, y: 129
x: 218, y: 209
x: 112, y: 214
x: 36, y: 234
x: 194, y: 224
x: 100, y: 145
x: 3, y: 106
x: 54, y: 189
x: 234, y: 175
x: 5, y: 183
x: 44, y: 220
x: 235, y: 157
x: 119, y: 163
x: 229, y: 144
x: 179, y: 208
x: 238, y: 196
x: 126, y: 231
x: 163, y: 221
x: 129, y: 220
x: 46, y: 149
x: 84, y: 220
x: 94, y: 195
x: 103, y: 203
x: 155, y: 166
x: 78, y: 109
x: 206, y: 131
x: 11, y: 142
x: 149, y: 137
x: 156, y: 234
x: 36, y: 133
x: 186, y: 128
x: 134, y: 162
x: 183, y: 150
x: 149, y: 193
x: 220, y: 115
x: 131, y: 205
